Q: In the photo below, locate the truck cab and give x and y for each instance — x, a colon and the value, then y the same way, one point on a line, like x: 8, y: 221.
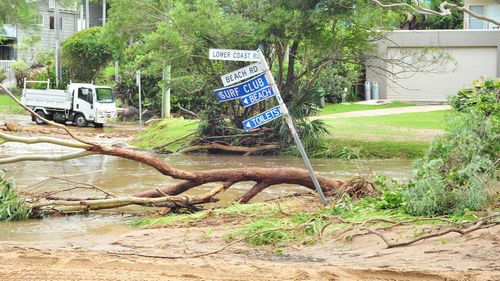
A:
x: 91, y: 103
x: 80, y: 104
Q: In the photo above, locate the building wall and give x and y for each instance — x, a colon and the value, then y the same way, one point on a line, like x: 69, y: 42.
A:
x: 70, y: 24
x: 473, y: 53
x: 491, y: 9
x: 47, y: 35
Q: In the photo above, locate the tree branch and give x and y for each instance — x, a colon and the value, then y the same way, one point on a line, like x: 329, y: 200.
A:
x: 61, y: 157
x: 444, y: 9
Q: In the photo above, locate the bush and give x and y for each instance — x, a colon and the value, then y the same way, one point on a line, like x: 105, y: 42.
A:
x: 12, y: 206
x: 3, y: 75
x: 21, y: 70
x: 455, y: 174
x: 85, y: 53
x: 483, y: 97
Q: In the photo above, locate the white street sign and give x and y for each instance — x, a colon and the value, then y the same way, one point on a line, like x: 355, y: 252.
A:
x: 138, y: 78
x: 241, y: 74
x: 233, y: 55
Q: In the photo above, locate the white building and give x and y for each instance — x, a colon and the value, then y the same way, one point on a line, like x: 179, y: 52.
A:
x: 488, y: 8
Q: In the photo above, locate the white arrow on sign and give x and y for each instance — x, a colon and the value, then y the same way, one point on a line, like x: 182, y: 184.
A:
x: 241, y: 74
x: 233, y: 55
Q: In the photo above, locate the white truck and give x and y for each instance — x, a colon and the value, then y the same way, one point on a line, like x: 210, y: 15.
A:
x: 80, y: 104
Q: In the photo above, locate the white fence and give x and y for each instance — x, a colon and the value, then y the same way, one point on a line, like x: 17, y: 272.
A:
x: 6, y: 65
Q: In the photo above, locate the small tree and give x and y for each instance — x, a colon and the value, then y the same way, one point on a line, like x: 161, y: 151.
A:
x: 21, y: 70
x: 84, y: 54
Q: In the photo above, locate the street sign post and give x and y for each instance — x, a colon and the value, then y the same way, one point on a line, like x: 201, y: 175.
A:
x: 258, y: 96
x: 255, y: 90
x: 290, y: 124
x: 233, y: 55
x: 138, y: 82
x: 243, y: 89
x: 263, y: 118
x: 241, y: 74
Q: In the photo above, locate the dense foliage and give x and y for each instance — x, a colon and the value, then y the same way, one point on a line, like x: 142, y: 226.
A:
x: 308, y: 44
x: 12, y: 206
x: 21, y: 71
x: 84, y: 54
x: 20, y: 12
x: 456, y: 172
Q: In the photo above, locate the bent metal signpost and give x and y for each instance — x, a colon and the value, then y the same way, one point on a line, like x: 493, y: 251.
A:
x: 255, y: 90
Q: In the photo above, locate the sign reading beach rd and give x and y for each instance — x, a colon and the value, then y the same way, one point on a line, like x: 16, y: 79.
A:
x: 258, y: 96
x: 241, y: 74
x: 243, y: 89
x: 263, y: 118
x: 233, y: 55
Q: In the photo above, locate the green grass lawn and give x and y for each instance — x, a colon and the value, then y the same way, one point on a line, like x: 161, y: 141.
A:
x: 348, y: 107
x: 166, y: 131
x: 391, y: 136
x: 401, y: 135
x: 7, y: 105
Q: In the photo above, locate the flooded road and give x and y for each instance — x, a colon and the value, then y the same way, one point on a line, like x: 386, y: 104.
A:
x: 125, y: 177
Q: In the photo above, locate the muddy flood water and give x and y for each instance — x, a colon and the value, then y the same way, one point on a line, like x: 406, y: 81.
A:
x: 124, y: 177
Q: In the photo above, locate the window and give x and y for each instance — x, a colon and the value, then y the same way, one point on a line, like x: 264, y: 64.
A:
x: 104, y: 95
x: 475, y: 23
x: 83, y: 93
x: 52, y: 21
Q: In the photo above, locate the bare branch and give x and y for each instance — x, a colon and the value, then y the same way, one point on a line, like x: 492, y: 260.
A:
x: 32, y: 140
x: 61, y: 157
x: 444, y: 9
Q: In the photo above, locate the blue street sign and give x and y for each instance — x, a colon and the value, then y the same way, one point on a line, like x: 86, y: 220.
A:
x: 263, y: 118
x: 243, y: 89
x: 258, y: 96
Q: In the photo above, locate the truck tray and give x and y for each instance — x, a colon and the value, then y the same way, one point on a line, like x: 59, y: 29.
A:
x: 56, y: 99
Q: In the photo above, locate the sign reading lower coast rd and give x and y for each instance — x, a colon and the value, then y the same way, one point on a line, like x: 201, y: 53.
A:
x: 243, y: 89
x: 263, y: 118
x: 241, y: 74
x: 233, y: 55
x: 258, y: 96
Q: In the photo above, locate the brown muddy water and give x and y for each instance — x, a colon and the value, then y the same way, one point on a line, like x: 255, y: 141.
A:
x: 125, y: 177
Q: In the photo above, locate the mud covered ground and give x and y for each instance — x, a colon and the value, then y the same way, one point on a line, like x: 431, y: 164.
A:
x: 163, y: 253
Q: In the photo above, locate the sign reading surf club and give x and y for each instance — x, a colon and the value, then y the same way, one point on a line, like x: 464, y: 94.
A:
x: 254, y: 90
x: 241, y: 90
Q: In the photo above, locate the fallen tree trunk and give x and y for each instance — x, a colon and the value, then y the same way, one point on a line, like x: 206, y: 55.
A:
x: 263, y: 177
x: 229, y: 148
x: 74, y: 205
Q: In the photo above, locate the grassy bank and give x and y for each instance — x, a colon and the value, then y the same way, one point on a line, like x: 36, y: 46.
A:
x: 7, y: 105
x: 402, y: 135
x: 166, y: 131
x: 391, y: 136
x: 349, y: 107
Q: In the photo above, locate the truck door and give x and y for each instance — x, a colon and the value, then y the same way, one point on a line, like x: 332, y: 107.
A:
x: 84, y: 103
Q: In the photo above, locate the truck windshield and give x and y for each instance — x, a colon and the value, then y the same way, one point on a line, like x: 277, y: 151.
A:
x: 104, y: 95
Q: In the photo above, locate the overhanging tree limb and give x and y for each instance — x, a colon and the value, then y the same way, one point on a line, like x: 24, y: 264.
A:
x: 444, y: 9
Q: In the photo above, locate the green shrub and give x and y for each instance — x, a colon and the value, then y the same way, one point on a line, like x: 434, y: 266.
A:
x: 483, y: 97
x: 21, y: 70
x: 12, y: 206
x: 456, y: 172
x: 85, y: 53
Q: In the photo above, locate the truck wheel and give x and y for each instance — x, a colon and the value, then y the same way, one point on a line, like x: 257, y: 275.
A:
x: 80, y: 120
x: 38, y: 120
